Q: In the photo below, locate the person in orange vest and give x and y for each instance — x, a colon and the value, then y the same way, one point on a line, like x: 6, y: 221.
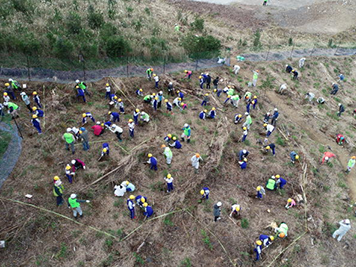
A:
x: 327, y: 156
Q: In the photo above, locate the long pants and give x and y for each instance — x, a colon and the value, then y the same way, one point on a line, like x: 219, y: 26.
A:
x: 274, y: 121
x: 11, y: 94
x: 85, y: 145
x: 39, y: 105
x: 153, y: 167
x: 122, y: 110
x: 248, y: 108
x: 71, y: 147
x: 334, y: 91
x: 339, y: 233
x: 86, y: 92
x: 268, y: 134
x: 208, y: 86
x: 156, y: 84
x: 255, y: 250
x: 339, y: 113
x: 170, y: 92
x: 254, y: 82
x: 107, y: 95
x: 135, y: 119
x: 38, y: 129
x: 118, y: 136
x: 168, y: 160
x: 83, y: 97
x: 169, y: 187
x: 201, y: 85
x: 76, y: 211
x: 29, y: 108
x: 132, y: 213
x: 216, y: 218
x: 203, y: 103
x: 244, y: 138
x: 159, y: 104
x: 259, y: 195
x: 132, y: 132
x: 59, y: 200
x: 70, y: 178
x: 254, y: 106
x: 115, y: 119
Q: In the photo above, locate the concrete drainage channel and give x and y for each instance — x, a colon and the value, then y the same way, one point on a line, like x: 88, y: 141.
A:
x: 12, y: 153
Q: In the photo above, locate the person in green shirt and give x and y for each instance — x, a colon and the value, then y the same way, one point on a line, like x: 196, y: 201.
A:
x: 271, y: 183
x: 83, y: 86
x: 69, y: 139
x: 12, y: 108
x: 74, y: 204
x: 58, y: 189
x: 149, y: 72
x: 350, y: 164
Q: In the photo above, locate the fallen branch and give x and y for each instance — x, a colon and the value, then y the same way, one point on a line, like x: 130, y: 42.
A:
x: 122, y: 92
x: 285, y: 137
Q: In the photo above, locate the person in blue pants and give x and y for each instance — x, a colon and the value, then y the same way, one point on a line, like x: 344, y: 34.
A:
x: 148, y: 210
x: 152, y: 161
x: 131, y: 206
x: 36, y: 123
x: 280, y: 181
x: 205, y: 193
x: 258, y: 249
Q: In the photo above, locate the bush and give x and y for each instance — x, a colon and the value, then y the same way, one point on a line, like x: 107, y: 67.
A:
x: 95, y: 19
x: 201, y: 46
x: 244, y: 223
x: 197, y: 24
x: 73, y: 23
x: 63, y: 48
x: 117, y: 46
x: 257, y: 40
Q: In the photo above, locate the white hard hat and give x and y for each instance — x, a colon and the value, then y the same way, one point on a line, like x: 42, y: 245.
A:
x: 276, y: 109
x: 244, y: 151
x: 114, y: 125
x: 273, y: 177
x: 23, y: 93
x: 161, y: 92
x: 246, y: 113
x: 68, y: 130
x: 339, y: 104
x: 219, y: 204
x: 170, y: 83
x: 287, y: 65
x: 10, y: 80
x: 326, y: 158
x: 73, y: 196
x: 186, y: 125
x: 77, y: 81
x: 98, y: 122
x: 73, y: 161
x: 347, y: 221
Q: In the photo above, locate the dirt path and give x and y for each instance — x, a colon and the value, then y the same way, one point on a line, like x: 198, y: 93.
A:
x: 316, y: 136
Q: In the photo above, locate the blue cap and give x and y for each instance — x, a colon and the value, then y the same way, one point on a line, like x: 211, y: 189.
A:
x: 82, y: 129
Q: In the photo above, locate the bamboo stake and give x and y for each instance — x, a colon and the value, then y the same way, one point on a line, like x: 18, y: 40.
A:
x: 122, y: 92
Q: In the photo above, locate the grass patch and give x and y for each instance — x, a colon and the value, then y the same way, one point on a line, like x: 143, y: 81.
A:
x: 244, y: 223
x: 5, y: 138
x: 206, y: 239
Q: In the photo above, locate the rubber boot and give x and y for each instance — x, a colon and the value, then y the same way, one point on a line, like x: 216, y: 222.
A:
x: 188, y: 141
x: 183, y: 139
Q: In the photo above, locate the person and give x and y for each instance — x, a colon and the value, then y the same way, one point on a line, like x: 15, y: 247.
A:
x: 282, y: 88
x: 87, y: 116
x: 12, y: 109
x: 167, y: 154
x: 131, y: 125
x: 340, y: 139
x: 116, y: 130
x: 83, y: 135
x: 205, y: 100
x: 244, y: 134
x: 82, y: 85
x: 80, y: 93
x: 201, y: 82
x: 289, y: 68
x: 212, y: 113
x: 254, y: 102
x: 202, y: 114
x: 341, y: 110
x: 9, y: 91
x: 235, y: 210
x: 37, y: 99
x: 140, y: 200
x: 235, y: 100
x: 177, y: 101
x: 267, y: 117
x: 266, y: 240
x: 136, y: 113
x: 290, y: 203
x: 26, y: 100
x: 58, y: 189
x: 186, y: 132
x: 248, y: 121
x: 2, y: 114
x: 129, y: 186
x: 152, y: 161
x: 195, y: 161
x: 301, y: 62
x: 183, y: 106
x: 269, y: 129
x: 131, y: 206
x: 205, y: 193
x: 98, y: 129
x: 144, y: 116
x: 149, y: 72
x: 114, y: 116
x: 295, y: 74
x: 320, y: 100
x: 236, y: 69
x: 148, y: 211
x: 121, y: 105
x: 148, y: 98
x: 258, y: 245
x: 243, y: 154
x: 74, y: 204
x: 294, y: 156
x: 327, y: 156
x: 335, y: 89
x: 6, y: 97
x: 271, y: 147
x: 282, y: 230
x: 156, y: 78
x: 188, y: 74
x: 255, y: 77
x: 37, y: 112
x: 77, y: 164
x: 208, y: 81
x: 36, y: 123
x: 69, y: 173
x: 275, y: 117
x: 238, y: 118
x: 155, y: 103
x: 160, y: 99
x: 170, y: 89
x: 248, y: 106
x: 169, y: 179
x: 105, y: 150
x: 176, y: 144
x: 139, y: 92
x: 107, y: 91
x: 310, y: 96
x: 260, y: 192
x: 217, y: 211
x: 350, y: 164
x: 228, y: 98
x: 271, y: 183
x: 69, y: 139
x: 264, y: 2
x: 243, y: 164
x: 280, y: 182
x: 343, y: 229
x: 216, y: 84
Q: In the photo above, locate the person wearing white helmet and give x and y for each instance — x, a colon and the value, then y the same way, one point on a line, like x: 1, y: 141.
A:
x: 74, y: 204
x: 77, y: 164
x: 301, y: 62
x: 217, y: 211
x: 343, y: 229
x: 82, y: 86
x: 170, y: 89
x: 69, y: 138
x: 275, y: 117
x: 26, y: 100
x: 242, y: 154
x: 186, y: 132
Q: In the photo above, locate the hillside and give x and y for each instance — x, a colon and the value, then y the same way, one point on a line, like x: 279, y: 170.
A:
x: 182, y: 232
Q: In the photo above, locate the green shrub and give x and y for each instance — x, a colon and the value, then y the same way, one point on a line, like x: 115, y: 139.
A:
x: 244, y: 223
x: 117, y: 46
x: 63, y: 48
x: 74, y: 25
x: 200, y: 46
x: 197, y: 24
x: 257, y: 40
x: 95, y: 19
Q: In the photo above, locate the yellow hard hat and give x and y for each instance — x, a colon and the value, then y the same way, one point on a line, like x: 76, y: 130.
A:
x: 169, y: 175
x: 145, y: 205
x: 244, y: 128
x: 102, y: 125
x: 185, y: 71
x: 154, y: 74
x: 149, y: 155
x: 105, y: 149
x: 205, y: 111
x: 258, y: 188
x: 197, y: 155
x: 229, y: 96
x: 115, y: 97
x: 265, y: 124
x: 109, y: 112
x: 34, y: 116
x: 245, y: 159
x: 137, y: 110
x: 174, y: 138
x: 34, y: 93
x: 206, y: 94
x: 77, y: 87
x: 7, y: 84
x: 80, y: 132
x: 84, y: 115
x: 107, y: 84
x: 34, y: 108
x: 154, y: 94
x: 289, y: 200
x: 156, y: 98
x: 353, y: 157
x: 200, y: 77
x: 259, y: 242
x: 166, y: 100
x: 229, y: 86
x: 237, y: 208
x: 56, y: 178
x: 5, y: 94
x: 268, y: 147
x: 277, y: 176
x: 130, y: 120
x: 239, y: 115
x: 169, y: 135
x: 271, y: 237
x: 202, y: 192
x: 140, y: 90
x: 177, y: 91
x: 131, y: 197
x: 182, y: 104
x: 297, y: 157
x: 213, y: 108
x: 254, y: 97
x: 68, y: 167
x: 215, y: 90
x: 179, y: 99
x: 119, y: 100
x: 143, y: 199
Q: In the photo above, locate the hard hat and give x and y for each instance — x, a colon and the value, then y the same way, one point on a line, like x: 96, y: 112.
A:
x: 281, y: 235
x: 151, y: 69
x: 254, y: 97
x: 119, y: 100
x: 166, y: 100
x: 160, y: 93
x: 170, y: 83
x: 205, y: 111
x: 105, y: 149
x: 347, y: 221
x: 56, y: 178
x: 34, y: 108
x: 268, y: 147
x: 179, y: 99
x: 339, y: 104
x: 202, y: 192
x: 213, y: 108
x: 297, y: 157
x: 73, y: 161
x: 169, y: 175
x: 277, y: 176
x: 276, y: 109
x: 109, y: 112
x: 169, y: 135
x: 353, y: 157
x: 114, y: 125
x: 206, y: 94
x: 149, y: 155
x: 69, y: 129
x: 140, y: 90
x: 186, y: 125
x: 154, y: 75
x: 229, y: 96
x: 102, y: 125
x: 247, y: 97
x: 73, y: 196
x: 259, y: 242
x: 174, y: 138
x: 98, y: 122
x: 130, y: 120
x: 244, y: 151
x: 153, y: 94
x: 265, y: 125
x: 289, y: 200
x: 107, y: 84
x: 142, y: 199
x: 10, y: 80
x: 131, y: 197
x: 34, y: 116
x: 245, y: 159
x: 182, y: 104
x: 185, y: 71
x: 246, y: 113
x: 229, y: 86
x: 77, y: 81
x: 271, y: 237
x: 326, y: 158
x: 23, y: 93
x: 7, y: 84
x: 127, y: 182
x: 115, y: 97
x: 197, y: 155
x: 237, y: 208
x: 77, y: 87
x: 239, y: 115
x: 156, y: 98
x: 162, y: 146
x: 82, y: 129
x: 84, y: 115
x: 273, y: 177
x: 177, y: 91
x: 5, y: 94
x: 257, y: 71
x: 258, y: 188
x: 137, y: 110
x: 219, y: 204
x: 244, y: 128
x: 287, y: 65
x: 145, y: 205
x: 68, y: 167
x: 200, y: 77
x: 34, y: 93
x: 215, y: 90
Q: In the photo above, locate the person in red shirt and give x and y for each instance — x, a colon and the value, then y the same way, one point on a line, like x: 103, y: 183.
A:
x: 327, y: 156
x: 340, y: 139
x: 98, y: 130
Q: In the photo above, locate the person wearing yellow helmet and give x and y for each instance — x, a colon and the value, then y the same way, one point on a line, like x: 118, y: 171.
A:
x: 149, y: 72
x: 155, y: 103
x: 9, y: 92
x: 58, y: 189
x: 167, y: 154
x: 69, y: 173
x: 105, y: 150
x: 290, y: 203
x: 148, y: 211
x: 205, y: 100
x: 169, y: 106
x: 183, y: 106
x: 201, y: 82
x: 136, y: 113
x: 244, y: 134
x: 293, y: 156
x: 260, y: 192
x: 168, y: 138
x: 156, y: 78
x: 235, y: 210
x: 258, y: 250
x: 266, y: 240
x: 36, y: 123
x: 107, y: 91
x: 131, y: 125
x: 139, y: 92
x: 195, y: 161
x: 212, y: 113
x: 131, y: 206
x: 114, y: 116
x: 6, y: 97
x: 350, y: 164
x: 280, y: 181
x: 176, y: 143
x: 177, y: 101
x: 140, y: 200
x: 152, y: 161
x: 254, y: 102
x: 237, y: 118
x: 204, y: 193
x: 243, y: 154
x: 269, y: 129
x: 169, y: 179
x: 87, y: 116
x: 188, y: 74
x: 202, y: 114
x: 271, y: 147
x: 243, y: 163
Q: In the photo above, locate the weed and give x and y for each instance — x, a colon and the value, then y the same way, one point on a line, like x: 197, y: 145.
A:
x: 342, y: 184
x: 206, y: 239
x: 185, y: 263
x: 138, y: 258
x: 167, y: 220
x: 118, y: 202
x: 257, y: 40
x: 280, y: 141
x: 62, y: 252
x: 244, y: 223
x: 109, y: 242
x: 322, y: 149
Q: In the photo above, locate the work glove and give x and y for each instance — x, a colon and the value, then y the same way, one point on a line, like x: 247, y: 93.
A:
x: 88, y: 201
x: 84, y: 167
